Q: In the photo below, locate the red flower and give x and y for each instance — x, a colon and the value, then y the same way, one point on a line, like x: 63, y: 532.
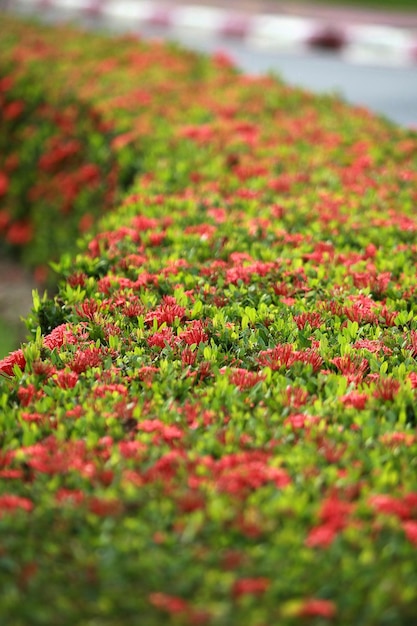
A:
x: 295, y: 397
x: 188, y: 357
x: 413, y: 345
x: 168, y: 432
x: 166, y: 467
x: 413, y: 379
x: 14, y: 358
x: 316, y: 607
x: 353, y: 369
x: 250, y: 586
x: 201, y: 134
x: 66, y: 380
x: 313, y: 319
x: 4, y: 184
x: 43, y: 369
x: 74, y: 496
x: 167, y: 312
x: 395, y: 439
x: 11, y: 502
x: 155, y: 239
x: 104, y: 507
x: 232, y: 559
x: 78, y: 278
x: 58, y: 337
x: 388, y: 505
x: 206, y: 231
x: 190, y: 501
x: 77, y: 412
x: 300, y: 420
x: 361, y: 312
x: 4, y: 219
x: 11, y: 473
x: 355, y: 399
x: 85, y: 359
x: 117, y: 388
x: 89, y: 173
x: 12, y: 110
x: 387, y: 388
x: 147, y: 372
x: 88, y: 309
x: 244, y: 379
x: 85, y: 223
x: 321, y: 536
x: 20, y: 233
x: 410, y: 529
x: 6, y: 83
x: 333, y: 516
x: 162, y: 338
x: 142, y: 222
x: 388, y: 317
x: 133, y: 308
x: 335, y: 511
x: 223, y: 59
x: 131, y: 449
x: 194, y: 333
x: 33, y: 417
x: 280, y: 356
x: 168, y: 603
x: 372, y: 345
x: 309, y: 356
x: 238, y: 474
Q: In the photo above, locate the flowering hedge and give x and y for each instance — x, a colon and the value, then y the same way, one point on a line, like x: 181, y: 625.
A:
x: 75, y: 128
x: 215, y: 420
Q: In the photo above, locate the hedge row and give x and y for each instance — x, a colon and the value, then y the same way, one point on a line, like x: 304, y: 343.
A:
x: 215, y: 421
x: 76, y: 126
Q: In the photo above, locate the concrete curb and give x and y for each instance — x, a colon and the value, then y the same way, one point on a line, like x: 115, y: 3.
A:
x: 374, y: 43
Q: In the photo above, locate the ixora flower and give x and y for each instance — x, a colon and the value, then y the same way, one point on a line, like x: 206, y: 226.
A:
x: 8, y: 363
x: 58, y: 336
x: 243, y: 379
x: 250, y: 586
x: 170, y: 604
x: 410, y: 529
x: 353, y: 369
x: 317, y: 607
x: 355, y: 399
x: 4, y: 184
x: 334, y: 515
x: 9, y: 502
x: 66, y: 380
x: 388, y: 505
x: 167, y: 312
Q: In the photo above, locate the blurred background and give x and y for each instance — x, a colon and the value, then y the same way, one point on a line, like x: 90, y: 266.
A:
x: 363, y: 50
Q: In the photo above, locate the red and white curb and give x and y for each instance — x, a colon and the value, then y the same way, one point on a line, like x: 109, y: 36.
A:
x: 373, y: 44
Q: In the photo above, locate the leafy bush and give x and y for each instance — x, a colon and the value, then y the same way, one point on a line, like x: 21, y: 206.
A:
x: 215, y: 420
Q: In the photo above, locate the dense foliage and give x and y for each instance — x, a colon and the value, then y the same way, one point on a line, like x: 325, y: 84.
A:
x: 215, y: 420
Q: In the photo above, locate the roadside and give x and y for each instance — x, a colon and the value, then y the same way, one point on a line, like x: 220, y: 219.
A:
x: 16, y: 287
